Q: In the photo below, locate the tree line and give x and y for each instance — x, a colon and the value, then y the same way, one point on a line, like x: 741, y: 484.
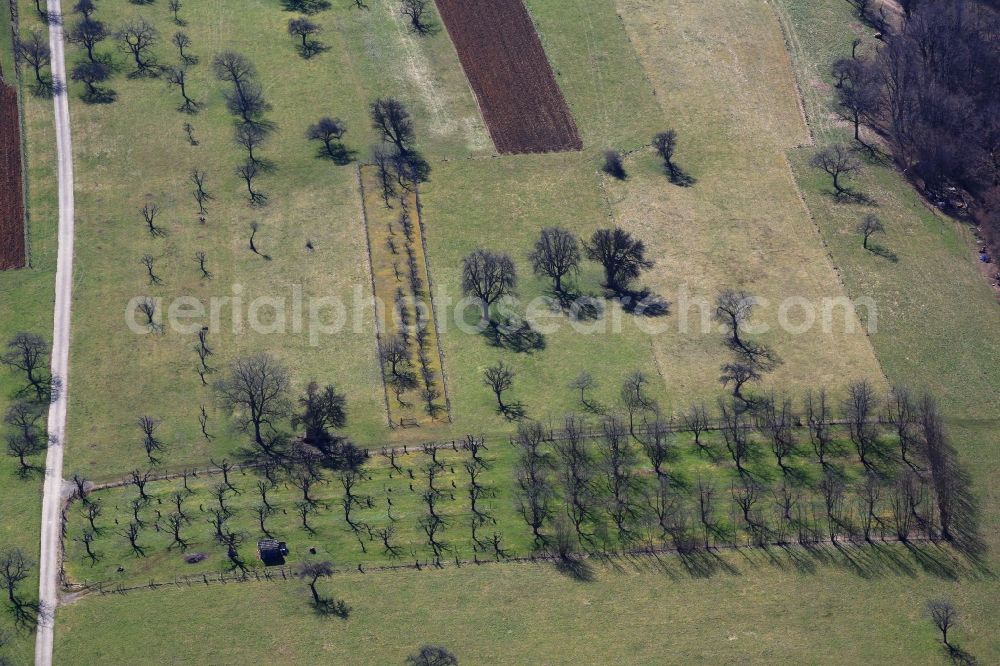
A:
x: 933, y: 90
x: 583, y: 487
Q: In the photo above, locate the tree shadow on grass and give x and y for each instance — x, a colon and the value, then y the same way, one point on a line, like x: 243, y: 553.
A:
x: 960, y: 656
x: 847, y: 195
x: 332, y: 608
x: 705, y: 563
x: 99, y: 96
x: 311, y: 49
x: 643, y: 303
x: 340, y: 155
x: 514, y: 334
x: 575, y: 567
x: 28, y: 614
x: 305, y: 6
x: 576, y: 305
x: 884, y: 252
x: 681, y: 178
x: 425, y: 28
x: 514, y: 411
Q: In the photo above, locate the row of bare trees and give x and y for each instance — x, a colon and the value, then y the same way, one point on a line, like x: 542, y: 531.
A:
x: 27, y: 356
x: 246, y: 102
x: 590, y: 483
x: 400, y: 169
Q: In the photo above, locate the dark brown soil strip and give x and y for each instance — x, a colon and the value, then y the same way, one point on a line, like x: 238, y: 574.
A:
x: 507, y: 68
x: 12, y: 250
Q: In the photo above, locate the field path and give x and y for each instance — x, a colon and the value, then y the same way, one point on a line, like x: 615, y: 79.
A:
x: 48, y: 559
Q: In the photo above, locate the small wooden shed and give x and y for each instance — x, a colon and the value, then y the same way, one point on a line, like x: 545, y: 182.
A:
x: 271, y: 551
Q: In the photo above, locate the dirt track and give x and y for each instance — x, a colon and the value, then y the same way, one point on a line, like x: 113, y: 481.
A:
x: 12, y: 251
x: 506, y: 65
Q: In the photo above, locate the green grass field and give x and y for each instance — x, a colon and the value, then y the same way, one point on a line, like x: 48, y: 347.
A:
x: 6, y: 44
x: 718, y: 74
x: 765, y: 609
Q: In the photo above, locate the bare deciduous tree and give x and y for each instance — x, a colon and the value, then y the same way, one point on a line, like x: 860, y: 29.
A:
x: 837, y: 161
x: 499, y: 378
x: 330, y: 132
x: 256, y: 391
x: 944, y: 615
x: 177, y: 77
x: 138, y: 37
x: 622, y: 256
x: 695, y: 421
x: 35, y: 51
x: 150, y: 443
x: 818, y: 415
x: 488, y: 276
x: 415, y: 10
x: 91, y: 73
x: 868, y: 227
x: 391, y: 119
x: 88, y: 33
x: 147, y: 261
x: 29, y: 353
x: 14, y: 568
x: 149, y: 212
x: 248, y: 171
x: 858, y: 410
x: 182, y: 41
x: 304, y: 29
x: 311, y: 572
x: 556, y: 255
x: 583, y: 382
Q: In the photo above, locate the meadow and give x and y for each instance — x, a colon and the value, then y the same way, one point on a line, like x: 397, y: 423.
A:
x: 756, y: 217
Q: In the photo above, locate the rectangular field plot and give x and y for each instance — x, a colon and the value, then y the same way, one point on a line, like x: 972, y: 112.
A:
x: 12, y: 251
x: 507, y: 68
x: 408, y: 340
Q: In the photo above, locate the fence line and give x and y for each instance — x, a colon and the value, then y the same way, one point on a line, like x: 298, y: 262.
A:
x: 286, y: 573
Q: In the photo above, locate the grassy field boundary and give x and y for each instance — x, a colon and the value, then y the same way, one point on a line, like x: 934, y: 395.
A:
x: 791, y: 46
x: 829, y: 254
x: 283, y: 573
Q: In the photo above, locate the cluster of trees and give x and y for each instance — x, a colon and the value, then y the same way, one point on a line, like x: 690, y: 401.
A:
x: 933, y: 90
x: 246, y: 102
x: 579, y: 483
x: 27, y: 355
x: 665, y: 144
x: 489, y: 276
x: 136, y: 39
x: 400, y: 166
x: 616, y: 485
x: 256, y: 392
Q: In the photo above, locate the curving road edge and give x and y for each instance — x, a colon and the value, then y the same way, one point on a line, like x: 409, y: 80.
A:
x: 51, y: 544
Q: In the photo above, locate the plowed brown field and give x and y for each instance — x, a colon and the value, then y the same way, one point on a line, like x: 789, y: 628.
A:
x: 507, y: 68
x: 11, y: 193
